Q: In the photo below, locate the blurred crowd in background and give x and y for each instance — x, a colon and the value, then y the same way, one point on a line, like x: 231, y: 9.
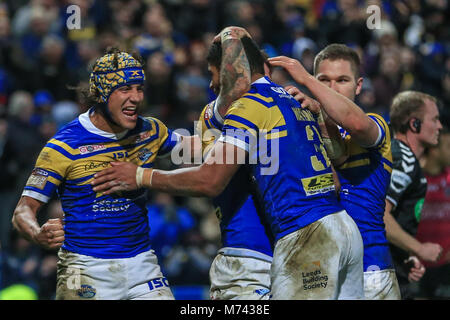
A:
x: 41, y: 58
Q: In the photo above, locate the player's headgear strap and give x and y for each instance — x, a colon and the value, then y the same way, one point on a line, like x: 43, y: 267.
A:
x: 110, y: 73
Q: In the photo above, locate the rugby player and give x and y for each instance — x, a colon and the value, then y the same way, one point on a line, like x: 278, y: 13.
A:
x: 361, y: 157
x: 105, y: 247
x: 241, y: 269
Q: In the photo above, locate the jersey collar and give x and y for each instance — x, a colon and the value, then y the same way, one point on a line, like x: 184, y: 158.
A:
x: 262, y: 80
x: 86, y: 122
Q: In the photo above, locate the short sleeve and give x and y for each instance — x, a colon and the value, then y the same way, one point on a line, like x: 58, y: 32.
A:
x: 168, y: 139
x: 50, y: 170
x: 403, y: 174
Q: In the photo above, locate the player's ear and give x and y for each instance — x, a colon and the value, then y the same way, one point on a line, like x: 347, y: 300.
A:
x: 359, y: 83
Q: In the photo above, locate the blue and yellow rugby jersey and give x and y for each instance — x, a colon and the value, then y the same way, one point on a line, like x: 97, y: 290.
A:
x: 103, y: 226
x: 236, y: 208
x: 286, y: 155
x: 365, y: 177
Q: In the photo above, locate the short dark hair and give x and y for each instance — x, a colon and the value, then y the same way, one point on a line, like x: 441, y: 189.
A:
x: 255, y: 56
x: 407, y: 105
x: 214, y: 56
x: 338, y: 51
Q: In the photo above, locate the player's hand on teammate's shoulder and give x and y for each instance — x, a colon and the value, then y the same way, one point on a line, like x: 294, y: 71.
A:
x: 51, y: 234
x: 121, y: 176
x: 305, y: 101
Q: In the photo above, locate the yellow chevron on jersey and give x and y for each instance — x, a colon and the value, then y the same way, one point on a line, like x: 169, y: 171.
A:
x: 275, y: 135
x: 263, y: 116
x: 208, y: 130
x: 258, y: 96
x: 358, y: 156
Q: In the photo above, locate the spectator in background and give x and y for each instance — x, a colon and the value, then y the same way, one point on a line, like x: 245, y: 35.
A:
x: 195, y: 17
x: 159, y: 86
x: 434, y: 224
x: 387, y: 82
x: 87, y: 51
x: 63, y: 112
x: 43, y: 102
x: 157, y: 32
x: 124, y: 15
x: 6, y: 47
x: 21, y: 142
x: 21, y: 262
x: 32, y: 38
x: 343, y: 21
x: 94, y: 15
x: 51, y: 70
x: 23, y: 17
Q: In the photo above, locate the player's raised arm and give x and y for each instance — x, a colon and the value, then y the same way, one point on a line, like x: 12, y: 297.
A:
x: 339, y: 108
x: 235, y: 74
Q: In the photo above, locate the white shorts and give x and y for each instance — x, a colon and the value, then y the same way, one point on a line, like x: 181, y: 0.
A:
x: 381, y: 285
x: 81, y: 277
x: 323, y: 260
x: 240, y: 274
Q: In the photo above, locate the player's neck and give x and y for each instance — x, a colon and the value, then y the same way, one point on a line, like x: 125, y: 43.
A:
x: 256, y: 76
x: 410, y: 140
x: 99, y: 120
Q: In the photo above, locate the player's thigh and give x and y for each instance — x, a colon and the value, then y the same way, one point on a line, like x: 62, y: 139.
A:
x: 381, y: 285
x: 306, y: 264
x: 351, y: 277
x: 317, y: 261
x: 242, y: 278
x: 81, y: 277
x: 145, y: 279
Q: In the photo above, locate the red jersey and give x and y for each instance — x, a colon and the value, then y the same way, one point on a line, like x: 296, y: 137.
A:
x: 434, y: 225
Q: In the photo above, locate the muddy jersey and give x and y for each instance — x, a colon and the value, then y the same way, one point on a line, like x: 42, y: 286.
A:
x: 364, y: 178
x: 237, y: 208
x: 286, y: 155
x: 406, y: 191
x: 98, y: 225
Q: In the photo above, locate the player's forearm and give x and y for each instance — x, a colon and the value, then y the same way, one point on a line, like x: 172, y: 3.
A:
x: 235, y: 75
x: 332, y: 139
x: 25, y: 222
x: 190, y: 182
x: 343, y: 111
x: 398, y: 237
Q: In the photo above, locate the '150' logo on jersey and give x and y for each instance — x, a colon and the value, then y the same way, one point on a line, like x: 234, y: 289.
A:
x: 120, y: 155
x: 91, y: 148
